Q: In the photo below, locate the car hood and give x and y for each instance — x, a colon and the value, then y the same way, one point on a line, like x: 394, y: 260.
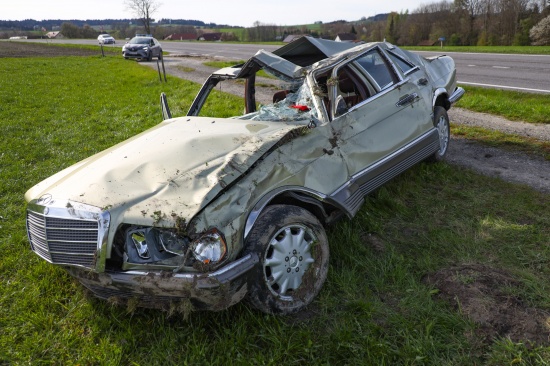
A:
x: 135, y: 45
x: 175, y: 168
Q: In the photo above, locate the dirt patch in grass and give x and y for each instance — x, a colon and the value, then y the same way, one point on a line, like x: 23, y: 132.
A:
x: 23, y: 49
x: 489, y: 297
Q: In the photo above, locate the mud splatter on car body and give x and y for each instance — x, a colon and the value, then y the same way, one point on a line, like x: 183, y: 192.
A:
x: 165, y: 219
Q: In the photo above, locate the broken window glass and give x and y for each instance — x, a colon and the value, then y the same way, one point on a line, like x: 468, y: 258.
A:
x: 293, y: 104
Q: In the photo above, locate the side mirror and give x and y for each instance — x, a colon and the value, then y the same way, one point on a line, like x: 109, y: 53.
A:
x: 166, y: 114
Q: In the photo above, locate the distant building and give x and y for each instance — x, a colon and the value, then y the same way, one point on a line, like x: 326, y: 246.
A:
x: 212, y: 37
x: 181, y: 37
x: 54, y: 35
x: 346, y: 37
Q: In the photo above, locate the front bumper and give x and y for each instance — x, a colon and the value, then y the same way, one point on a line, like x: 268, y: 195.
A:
x: 135, y: 54
x: 457, y: 94
x: 215, y: 290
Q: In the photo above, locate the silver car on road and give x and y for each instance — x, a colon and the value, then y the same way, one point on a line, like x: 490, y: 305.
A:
x: 143, y: 47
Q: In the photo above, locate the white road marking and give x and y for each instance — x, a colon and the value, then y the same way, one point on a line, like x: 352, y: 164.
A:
x: 505, y: 87
x: 500, y: 67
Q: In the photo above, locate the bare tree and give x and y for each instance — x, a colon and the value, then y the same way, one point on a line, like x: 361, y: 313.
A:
x: 143, y: 10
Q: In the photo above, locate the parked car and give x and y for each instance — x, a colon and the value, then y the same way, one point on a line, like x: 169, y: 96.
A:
x: 203, y: 211
x: 143, y: 47
x: 105, y: 39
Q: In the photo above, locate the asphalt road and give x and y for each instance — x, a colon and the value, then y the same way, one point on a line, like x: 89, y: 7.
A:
x: 515, y: 72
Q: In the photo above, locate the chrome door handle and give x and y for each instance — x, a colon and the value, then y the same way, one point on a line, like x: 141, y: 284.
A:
x: 406, y: 99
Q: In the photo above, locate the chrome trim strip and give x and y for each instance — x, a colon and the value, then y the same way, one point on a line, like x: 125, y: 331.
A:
x: 226, y: 273
x: 351, y: 194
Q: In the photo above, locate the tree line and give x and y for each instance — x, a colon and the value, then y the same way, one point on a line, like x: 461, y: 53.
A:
x: 458, y: 22
x: 464, y: 23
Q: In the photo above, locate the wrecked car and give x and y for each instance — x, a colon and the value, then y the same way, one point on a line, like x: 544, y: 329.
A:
x: 200, y: 212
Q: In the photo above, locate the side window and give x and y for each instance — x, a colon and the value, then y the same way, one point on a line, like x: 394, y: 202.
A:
x: 404, y: 65
x: 350, y: 87
x: 341, y: 89
x: 373, y: 63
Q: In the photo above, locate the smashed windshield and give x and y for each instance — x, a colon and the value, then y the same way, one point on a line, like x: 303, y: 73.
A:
x: 288, y: 105
x: 276, y: 92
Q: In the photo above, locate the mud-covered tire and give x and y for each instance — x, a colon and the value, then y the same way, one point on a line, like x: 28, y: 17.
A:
x: 443, y: 127
x: 293, y: 253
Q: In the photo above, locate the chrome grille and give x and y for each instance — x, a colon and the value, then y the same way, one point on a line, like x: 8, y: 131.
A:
x: 63, y: 240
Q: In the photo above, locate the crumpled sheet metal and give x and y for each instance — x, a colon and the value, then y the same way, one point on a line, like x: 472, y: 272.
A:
x: 308, y: 159
x: 143, y: 179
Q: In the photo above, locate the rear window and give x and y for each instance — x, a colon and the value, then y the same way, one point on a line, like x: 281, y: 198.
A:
x: 404, y: 65
x: 373, y: 63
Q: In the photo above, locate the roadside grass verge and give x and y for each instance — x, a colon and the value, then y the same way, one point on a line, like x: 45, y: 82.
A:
x: 514, y: 106
x: 222, y: 64
x: 375, y: 307
x: 503, y: 140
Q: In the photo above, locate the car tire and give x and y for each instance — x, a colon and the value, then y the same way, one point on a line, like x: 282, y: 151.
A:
x: 150, y: 56
x: 443, y: 127
x: 293, y: 253
x: 160, y: 54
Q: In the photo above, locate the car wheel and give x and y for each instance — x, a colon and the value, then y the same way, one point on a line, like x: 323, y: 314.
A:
x: 293, y: 254
x: 150, y: 56
x: 160, y: 55
x: 441, y: 123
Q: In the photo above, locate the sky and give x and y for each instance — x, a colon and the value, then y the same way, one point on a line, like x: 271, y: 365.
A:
x: 232, y: 12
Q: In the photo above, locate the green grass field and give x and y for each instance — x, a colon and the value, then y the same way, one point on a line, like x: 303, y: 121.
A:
x: 376, y: 307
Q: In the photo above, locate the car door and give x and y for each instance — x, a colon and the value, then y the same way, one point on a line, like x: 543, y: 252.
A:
x: 383, y: 126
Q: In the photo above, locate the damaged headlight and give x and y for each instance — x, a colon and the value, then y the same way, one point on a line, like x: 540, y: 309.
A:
x: 150, y: 245
x: 145, y: 245
x: 210, y: 247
